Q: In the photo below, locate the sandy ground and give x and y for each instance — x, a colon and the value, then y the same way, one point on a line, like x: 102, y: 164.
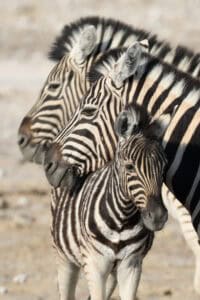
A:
x: 25, y: 243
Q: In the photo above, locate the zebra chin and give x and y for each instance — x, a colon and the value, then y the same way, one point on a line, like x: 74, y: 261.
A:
x: 154, y: 221
x: 64, y: 176
x: 153, y: 226
x: 34, y: 153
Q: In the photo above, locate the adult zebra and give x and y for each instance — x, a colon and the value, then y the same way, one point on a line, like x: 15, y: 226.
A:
x: 89, y: 141
x: 106, y: 226
x: 67, y: 82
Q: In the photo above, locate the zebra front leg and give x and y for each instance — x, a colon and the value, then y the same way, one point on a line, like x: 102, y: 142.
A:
x: 67, y: 278
x: 97, y: 269
x: 181, y: 214
x: 128, y: 277
x: 197, y: 275
x: 110, y: 286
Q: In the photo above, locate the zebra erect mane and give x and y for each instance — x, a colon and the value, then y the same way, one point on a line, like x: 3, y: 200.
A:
x: 106, y: 28
x: 106, y: 62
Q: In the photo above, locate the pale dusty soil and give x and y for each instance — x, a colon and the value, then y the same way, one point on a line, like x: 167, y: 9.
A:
x: 25, y: 243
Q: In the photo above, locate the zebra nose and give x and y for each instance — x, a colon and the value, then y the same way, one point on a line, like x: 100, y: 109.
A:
x: 24, y: 132
x: 52, y: 158
x: 159, y: 213
x: 46, y: 146
x: 155, y: 215
x: 23, y: 140
x: 53, y: 153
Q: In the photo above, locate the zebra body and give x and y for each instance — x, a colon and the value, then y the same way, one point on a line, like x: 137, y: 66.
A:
x: 106, y: 226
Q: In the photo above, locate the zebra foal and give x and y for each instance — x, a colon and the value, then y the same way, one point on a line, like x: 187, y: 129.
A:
x: 107, y: 225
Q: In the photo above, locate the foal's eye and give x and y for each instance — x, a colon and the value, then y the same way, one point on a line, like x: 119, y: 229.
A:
x: 53, y: 86
x: 130, y: 167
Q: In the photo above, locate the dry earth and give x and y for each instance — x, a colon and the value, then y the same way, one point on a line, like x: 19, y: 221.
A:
x: 27, y: 29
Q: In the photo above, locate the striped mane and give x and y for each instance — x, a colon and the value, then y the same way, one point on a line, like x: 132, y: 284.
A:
x: 113, y: 33
x: 107, y: 30
x: 106, y: 62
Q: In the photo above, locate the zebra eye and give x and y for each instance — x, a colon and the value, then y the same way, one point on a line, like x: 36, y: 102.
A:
x: 89, y: 111
x: 130, y: 167
x: 53, y: 86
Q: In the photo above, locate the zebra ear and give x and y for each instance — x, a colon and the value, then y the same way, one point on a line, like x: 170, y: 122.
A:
x: 126, y: 123
x: 85, y: 44
x: 158, y: 127
x: 130, y: 63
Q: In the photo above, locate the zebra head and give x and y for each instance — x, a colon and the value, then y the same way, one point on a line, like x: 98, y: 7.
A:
x: 140, y: 162
x: 58, y: 100
x: 89, y: 141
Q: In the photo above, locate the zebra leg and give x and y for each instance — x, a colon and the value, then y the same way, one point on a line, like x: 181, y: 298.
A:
x: 110, y: 286
x: 67, y: 278
x: 180, y: 213
x: 97, y: 268
x: 128, y: 277
x: 197, y: 275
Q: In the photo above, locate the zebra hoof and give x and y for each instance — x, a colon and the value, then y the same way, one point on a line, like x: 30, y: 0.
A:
x: 89, y: 298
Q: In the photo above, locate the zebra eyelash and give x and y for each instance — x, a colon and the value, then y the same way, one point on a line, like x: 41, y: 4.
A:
x: 53, y: 86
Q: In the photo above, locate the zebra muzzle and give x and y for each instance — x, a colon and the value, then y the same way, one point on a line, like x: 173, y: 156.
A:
x: 155, y: 215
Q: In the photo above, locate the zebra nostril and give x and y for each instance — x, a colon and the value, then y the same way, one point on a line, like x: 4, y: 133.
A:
x: 73, y: 170
x: 77, y: 171
x: 69, y: 170
x: 49, y: 168
x: 23, y: 140
x: 46, y: 146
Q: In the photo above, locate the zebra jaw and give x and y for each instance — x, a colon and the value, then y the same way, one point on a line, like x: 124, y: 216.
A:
x: 62, y: 176
x: 155, y: 220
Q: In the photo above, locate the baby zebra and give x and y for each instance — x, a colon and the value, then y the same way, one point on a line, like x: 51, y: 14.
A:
x: 107, y: 226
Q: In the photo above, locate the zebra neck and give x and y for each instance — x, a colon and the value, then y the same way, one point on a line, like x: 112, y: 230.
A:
x: 160, y: 89
x: 119, y: 199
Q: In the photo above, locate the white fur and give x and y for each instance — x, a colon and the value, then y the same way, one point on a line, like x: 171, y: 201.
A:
x: 128, y: 64
x: 85, y: 44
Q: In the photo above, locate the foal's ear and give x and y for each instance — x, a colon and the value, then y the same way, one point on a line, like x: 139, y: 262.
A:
x: 130, y: 63
x: 85, y: 44
x: 158, y: 127
x: 126, y: 123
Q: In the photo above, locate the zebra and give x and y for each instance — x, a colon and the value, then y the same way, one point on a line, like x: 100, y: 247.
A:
x: 122, y: 77
x: 76, y: 50
x: 107, y: 225
x: 67, y: 82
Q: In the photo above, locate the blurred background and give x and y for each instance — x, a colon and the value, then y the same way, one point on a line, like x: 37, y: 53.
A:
x: 28, y: 27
